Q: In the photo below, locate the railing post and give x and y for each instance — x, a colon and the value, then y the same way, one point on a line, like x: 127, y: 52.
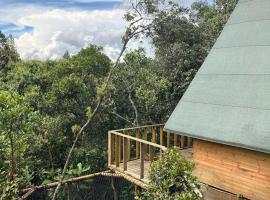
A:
x: 175, y: 139
x: 110, y: 148
x: 141, y: 160
x: 145, y: 134
x: 182, y: 141
x: 168, y: 139
x: 137, y: 143
x: 125, y: 153
x: 117, y: 152
x: 154, y: 139
x: 161, y: 135
x: 128, y: 147
x: 145, y: 137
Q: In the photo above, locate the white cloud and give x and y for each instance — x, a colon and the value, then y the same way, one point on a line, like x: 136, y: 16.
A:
x: 56, y: 31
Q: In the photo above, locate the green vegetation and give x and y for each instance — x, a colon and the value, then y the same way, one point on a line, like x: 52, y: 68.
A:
x: 171, y: 179
x: 44, y: 103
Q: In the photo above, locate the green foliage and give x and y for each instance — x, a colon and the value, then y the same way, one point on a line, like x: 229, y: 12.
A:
x: 16, y: 126
x: 8, y: 188
x: 8, y: 53
x: 171, y: 178
x: 143, y: 92
x: 44, y: 103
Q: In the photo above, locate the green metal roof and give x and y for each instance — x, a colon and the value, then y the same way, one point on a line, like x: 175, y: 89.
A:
x: 228, y: 101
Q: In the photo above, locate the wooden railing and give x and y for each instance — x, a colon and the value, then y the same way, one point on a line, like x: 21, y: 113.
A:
x: 141, y: 143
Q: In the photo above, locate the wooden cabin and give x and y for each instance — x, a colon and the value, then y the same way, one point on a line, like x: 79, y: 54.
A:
x: 223, y: 120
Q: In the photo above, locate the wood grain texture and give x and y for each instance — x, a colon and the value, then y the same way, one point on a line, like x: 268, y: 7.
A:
x: 236, y: 170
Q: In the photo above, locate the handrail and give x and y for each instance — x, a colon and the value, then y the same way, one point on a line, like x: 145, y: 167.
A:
x: 140, y: 140
x: 148, y: 139
x: 138, y: 127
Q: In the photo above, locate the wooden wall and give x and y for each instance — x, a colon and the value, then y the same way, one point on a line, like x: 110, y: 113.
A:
x: 236, y: 170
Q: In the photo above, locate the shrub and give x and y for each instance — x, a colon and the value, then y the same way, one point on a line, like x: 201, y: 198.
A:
x: 171, y: 179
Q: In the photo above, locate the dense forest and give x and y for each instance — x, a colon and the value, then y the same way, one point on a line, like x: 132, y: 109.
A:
x: 44, y: 103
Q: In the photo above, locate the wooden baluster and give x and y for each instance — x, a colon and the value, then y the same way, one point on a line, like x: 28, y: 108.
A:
x: 142, y: 160
x: 137, y: 143
x: 145, y: 137
x: 145, y: 134
x: 154, y: 140
x: 117, y: 152
x: 125, y: 153
x: 161, y: 135
x: 168, y: 139
x: 154, y: 137
x: 120, y: 149
x: 182, y: 141
x: 128, y: 146
x: 175, y: 139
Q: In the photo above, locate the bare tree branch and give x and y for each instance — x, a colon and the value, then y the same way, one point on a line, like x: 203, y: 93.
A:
x: 123, y: 118
x: 90, y: 119
x: 127, y: 37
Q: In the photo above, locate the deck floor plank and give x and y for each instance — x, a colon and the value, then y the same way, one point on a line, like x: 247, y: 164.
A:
x: 133, y: 166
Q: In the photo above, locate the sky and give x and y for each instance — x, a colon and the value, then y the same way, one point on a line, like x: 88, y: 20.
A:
x: 45, y: 29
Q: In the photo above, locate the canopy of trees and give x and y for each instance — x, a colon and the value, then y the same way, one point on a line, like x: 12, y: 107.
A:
x: 44, y: 103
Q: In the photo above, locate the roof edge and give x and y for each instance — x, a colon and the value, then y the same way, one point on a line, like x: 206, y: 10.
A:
x: 238, y: 145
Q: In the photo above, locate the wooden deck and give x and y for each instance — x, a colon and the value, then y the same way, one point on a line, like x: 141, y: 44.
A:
x: 131, y: 151
x: 134, y: 166
x: 133, y: 169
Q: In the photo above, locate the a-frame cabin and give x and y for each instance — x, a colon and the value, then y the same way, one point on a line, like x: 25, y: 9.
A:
x: 227, y: 106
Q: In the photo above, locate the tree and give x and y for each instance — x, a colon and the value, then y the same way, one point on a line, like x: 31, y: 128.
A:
x: 211, y: 18
x: 15, y: 129
x: 142, y: 91
x: 66, y: 55
x: 8, y: 52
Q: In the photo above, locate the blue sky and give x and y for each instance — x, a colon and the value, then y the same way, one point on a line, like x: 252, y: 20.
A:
x: 45, y: 29
x: 11, y: 28
x: 80, y: 4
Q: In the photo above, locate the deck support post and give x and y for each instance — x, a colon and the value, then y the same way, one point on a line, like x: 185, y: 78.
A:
x: 142, y: 160
x: 115, y: 192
